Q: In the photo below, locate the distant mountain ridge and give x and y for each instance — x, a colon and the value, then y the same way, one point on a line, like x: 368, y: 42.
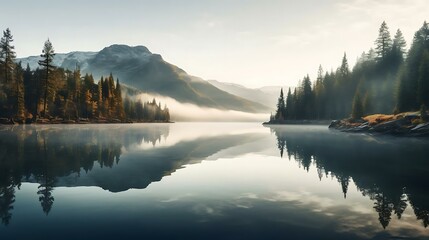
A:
x: 139, y: 68
x: 267, y: 96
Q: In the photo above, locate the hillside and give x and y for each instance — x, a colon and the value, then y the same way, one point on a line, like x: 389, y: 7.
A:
x: 265, y: 95
x: 139, y: 68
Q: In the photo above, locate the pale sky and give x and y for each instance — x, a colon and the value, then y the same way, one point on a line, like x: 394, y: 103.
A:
x: 250, y: 42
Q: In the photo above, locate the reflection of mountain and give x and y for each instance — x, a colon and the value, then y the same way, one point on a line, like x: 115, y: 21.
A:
x: 45, y: 154
x: 141, y: 168
x: 53, y: 156
x: 392, y: 172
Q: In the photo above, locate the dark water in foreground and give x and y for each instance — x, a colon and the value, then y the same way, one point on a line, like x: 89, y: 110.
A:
x: 210, y: 181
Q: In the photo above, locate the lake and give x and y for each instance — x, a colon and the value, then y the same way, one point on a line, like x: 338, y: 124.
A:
x: 210, y: 181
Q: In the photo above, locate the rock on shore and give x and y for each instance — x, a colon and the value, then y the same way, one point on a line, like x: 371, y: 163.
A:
x: 405, y: 124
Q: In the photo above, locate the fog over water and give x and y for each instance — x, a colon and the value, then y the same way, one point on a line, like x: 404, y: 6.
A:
x: 191, y: 112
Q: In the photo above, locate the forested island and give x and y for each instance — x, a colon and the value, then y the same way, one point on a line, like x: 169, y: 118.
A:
x: 386, y: 79
x: 52, y: 94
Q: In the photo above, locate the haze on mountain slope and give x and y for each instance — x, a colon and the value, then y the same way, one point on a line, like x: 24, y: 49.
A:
x: 137, y: 67
x: 267, y: 96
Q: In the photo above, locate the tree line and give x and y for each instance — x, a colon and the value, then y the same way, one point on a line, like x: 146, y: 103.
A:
x: 385, y: 79
x: 51, y: 92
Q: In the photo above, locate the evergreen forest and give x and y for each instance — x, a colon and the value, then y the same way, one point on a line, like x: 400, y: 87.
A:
x: 51, y: 94
x: 386, y: 79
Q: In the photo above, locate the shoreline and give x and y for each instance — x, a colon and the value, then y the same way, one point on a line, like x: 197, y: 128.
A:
x: 82, y: 121
x: 298, y: 122
x: 401, y: 125
x: 408, y: 124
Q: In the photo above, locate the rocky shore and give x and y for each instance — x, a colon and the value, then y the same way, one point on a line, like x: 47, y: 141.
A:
x: 404, y: 124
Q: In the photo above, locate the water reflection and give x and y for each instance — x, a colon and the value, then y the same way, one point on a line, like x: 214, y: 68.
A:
x: 391, y: 172
x: 7, y: 198
x: 54, y: 156
x: 43, y: 154
x: 223, y: 180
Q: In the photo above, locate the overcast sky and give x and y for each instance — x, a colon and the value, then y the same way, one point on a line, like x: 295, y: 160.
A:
x: 251, y: 42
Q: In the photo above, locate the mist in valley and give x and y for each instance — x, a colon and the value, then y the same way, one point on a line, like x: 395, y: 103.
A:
x: 185, y: 112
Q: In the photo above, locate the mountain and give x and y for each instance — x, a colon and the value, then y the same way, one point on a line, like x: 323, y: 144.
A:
x: 267, y: 96
x: 275, y: 90
x: 61, y: 59
x: 139, y: 68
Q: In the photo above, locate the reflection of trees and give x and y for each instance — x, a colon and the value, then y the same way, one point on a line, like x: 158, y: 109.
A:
x: 344, y: 181
x: 420, y: 206
x: 45, y: 191
x: 7, y: 198
x: 55, y: 156
x: 381, y: 168
x: 9, y: 179
x: 46, y: 181
x: 400, y: 205
x: 45, y: 153
x: 384, y: 209
x: 422, y: 215
x: 281, y: 145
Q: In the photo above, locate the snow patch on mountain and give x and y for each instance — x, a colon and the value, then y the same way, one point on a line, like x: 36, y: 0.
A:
x: 77, y: 59
x: 64, y: 60
x: 82, y: 59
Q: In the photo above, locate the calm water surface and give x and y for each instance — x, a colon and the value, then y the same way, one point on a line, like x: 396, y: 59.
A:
x: 210, y: 181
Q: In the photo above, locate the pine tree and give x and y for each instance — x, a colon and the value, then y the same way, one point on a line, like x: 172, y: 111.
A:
x: 7, y: 67
x: 76, y: 86
x: 87, y: 107
x: 423, y: 80
x: 405, y: 94
x: 166, y: 114
x: 344, y: 69
x: 88, y: 98
x: 383, y: 42
x: 289, y: 105
x: 7, y: 55
x: 412, y: 80
x: 111, y: 83
x: 139, y: 109
x: 72, y: 98
x: 319, y: 92
x: 120, y: 113
x: 103, y: 87
x: 20, y: 102
x: 29, y: 89
x: 295, y: 104
x: 307, y: 98
x: 280, y: 106
x: 372, y: 55
x: 343, y: 88
x: 399, y: 44
x: 100, y: 98
x: 48, y: 56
